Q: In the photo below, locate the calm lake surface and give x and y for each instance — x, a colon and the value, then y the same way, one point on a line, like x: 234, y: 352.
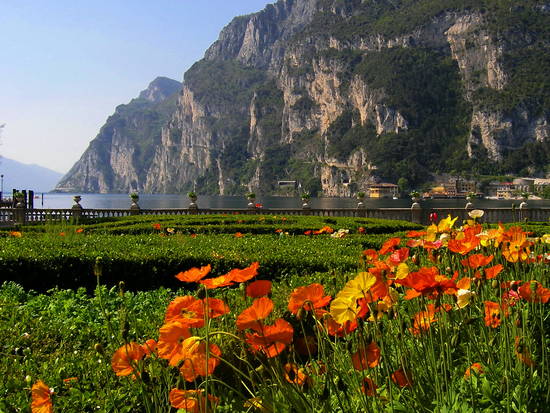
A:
x: 152, y: 201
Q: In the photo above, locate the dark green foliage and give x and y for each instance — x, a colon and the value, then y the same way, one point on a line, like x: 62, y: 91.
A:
x: 131, y: 250
x: 346, y: 134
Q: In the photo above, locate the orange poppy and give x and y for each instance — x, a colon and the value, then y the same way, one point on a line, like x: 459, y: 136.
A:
x: 258, y: 288
x: 251, y: 317
x: 214, y: 307
x: 194, y: 274
x: 308, y: 298
x: 217, y: 282
x: 156, y: 226
x: 194, y: 356
x: 79, y: 230
x: 428, y: 281
x: 192, y: 401
x: 476, y: 368
x: 308, y: 232
x: 171, y: 337
x: 295, y: 375
x: 368, y: 387
x: 245, y: 274
x: 366, y: 357
x: 361, y: 230
x: 476, y: 260
x: 324, y: 230
x: 41, y: 398
x: 389, y: 245
x: 423, y: 320
x: 464, y: 242
x: 534, y: 292
x: 273, y: 339
x: 187, y: 310
x: 150, y: 347
x: 238, y: 235
x: 125, y: 358
x: 370, y: 255
x: 339, y: 330
x: 401, y: 378
x: 522, y: 352
x: 493, y: 271
x: 492, y: 314
x: 16, y: 234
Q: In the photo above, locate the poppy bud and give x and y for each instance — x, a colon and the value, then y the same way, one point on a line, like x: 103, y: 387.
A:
x: 99, y: 349
x: 300, y: 314
x: 494, y: 284
x: 414, y: 259
x: 28, y: 379
x: 124, y: 329
x: 201, y: 293
x: 341, y: 385
x: 121, y: 286
x: 98, y: 266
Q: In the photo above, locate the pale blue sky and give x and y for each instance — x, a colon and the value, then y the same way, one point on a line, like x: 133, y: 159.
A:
x: 66, y: 64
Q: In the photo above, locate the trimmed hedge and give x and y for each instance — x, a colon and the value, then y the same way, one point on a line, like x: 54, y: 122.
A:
x: 42, y: 261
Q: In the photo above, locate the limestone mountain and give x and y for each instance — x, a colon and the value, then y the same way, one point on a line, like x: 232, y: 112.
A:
x: 117, y: 160
x: 337, y: 93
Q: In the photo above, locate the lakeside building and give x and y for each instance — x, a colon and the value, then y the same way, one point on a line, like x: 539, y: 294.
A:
x: 453, y: 188
x: 383, y: 190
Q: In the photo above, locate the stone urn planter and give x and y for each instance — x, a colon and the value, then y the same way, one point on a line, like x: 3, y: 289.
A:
x: 77, y: 199
x: 360, y: 199
x: 305, y: 201
x: 251, y: 196
x: 20, y: 199
x: 135, y: 198
x: 193, y: 198
x: 415, y: 197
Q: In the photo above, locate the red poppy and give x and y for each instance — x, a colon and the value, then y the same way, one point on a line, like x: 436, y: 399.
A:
x: 251, y: 317
x: 308, y: 232
x: 273, y: 339
x: 192, y: 401
x: 398, y: 256
x: 366, y: 357
x: 389, y: 245
x: 476, y: 368
x: 308, y: 298
x: 492, y: 314
x: 476, y: 260
x: 368, y: 387
x: 361, y: 230
x: 534, y: 292
x: 401, y: 378
x: 245, y: 274
x: 156, y: 226
x: 125, y: 358
x: 194, y: 274
x: 41, y: 398
x: 258, y: 288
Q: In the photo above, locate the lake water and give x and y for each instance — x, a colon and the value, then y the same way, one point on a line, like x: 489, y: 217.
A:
x: 152, y: 201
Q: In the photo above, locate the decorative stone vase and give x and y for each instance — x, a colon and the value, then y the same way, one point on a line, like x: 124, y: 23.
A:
x: 77, y: 199
x: 135, y: 198
x: 360, y: 199
x: 193, y: 198
x: 305, y: 200
x: 251, y: 200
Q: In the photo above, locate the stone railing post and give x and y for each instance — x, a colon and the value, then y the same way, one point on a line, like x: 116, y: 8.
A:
x: 20, y: 212
x: 416, y: 212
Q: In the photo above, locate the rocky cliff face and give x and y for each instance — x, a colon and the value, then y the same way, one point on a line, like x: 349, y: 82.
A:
x: 117, y: 159
x: 338, y: 93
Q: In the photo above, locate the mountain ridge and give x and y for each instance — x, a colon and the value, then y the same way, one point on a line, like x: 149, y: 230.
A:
x: 337, y: 94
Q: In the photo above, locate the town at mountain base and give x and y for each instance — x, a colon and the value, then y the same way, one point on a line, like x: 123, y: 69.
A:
x: 332, y: 96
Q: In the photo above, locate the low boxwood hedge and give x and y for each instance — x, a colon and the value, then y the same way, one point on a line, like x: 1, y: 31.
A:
x: 42, y: 261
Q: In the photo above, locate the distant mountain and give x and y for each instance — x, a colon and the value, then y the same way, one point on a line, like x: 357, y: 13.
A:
x: 118, y: 159
x: 24, y: 176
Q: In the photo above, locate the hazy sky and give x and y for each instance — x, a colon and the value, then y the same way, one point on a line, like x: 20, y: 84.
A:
x: 66, y: 64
